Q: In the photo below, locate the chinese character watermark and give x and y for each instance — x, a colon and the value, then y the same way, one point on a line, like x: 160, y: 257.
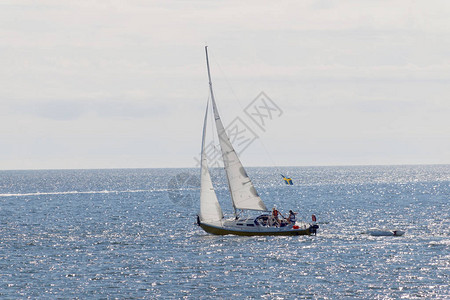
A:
x: 240, y: 134
x: 262, y: 109
x: 183, y: 188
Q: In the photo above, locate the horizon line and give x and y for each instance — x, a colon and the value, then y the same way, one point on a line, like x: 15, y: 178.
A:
x: 281, y: 166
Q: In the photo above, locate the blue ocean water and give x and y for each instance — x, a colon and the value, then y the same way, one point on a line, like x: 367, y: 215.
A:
x: 130, y: 233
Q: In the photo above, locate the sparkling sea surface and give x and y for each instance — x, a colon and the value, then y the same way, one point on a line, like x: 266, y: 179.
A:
x: 131, y: 233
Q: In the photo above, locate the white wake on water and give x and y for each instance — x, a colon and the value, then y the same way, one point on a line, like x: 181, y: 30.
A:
x: 83, y: 192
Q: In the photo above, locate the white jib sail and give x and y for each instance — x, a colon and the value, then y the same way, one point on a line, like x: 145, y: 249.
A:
x: 243, y: 193
x: 210, y: 210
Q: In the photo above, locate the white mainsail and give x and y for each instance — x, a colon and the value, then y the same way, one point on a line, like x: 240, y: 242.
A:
x: 243, y: 193
x: 210, y: 210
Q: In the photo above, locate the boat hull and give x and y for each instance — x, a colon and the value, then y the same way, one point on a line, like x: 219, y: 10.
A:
x: 219, y: 230
x: 385, y: 232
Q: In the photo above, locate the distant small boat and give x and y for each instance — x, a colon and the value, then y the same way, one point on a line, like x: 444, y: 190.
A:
x: 385, y: 232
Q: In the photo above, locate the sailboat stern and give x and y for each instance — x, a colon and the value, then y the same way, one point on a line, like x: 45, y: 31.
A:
x: 313, y: 228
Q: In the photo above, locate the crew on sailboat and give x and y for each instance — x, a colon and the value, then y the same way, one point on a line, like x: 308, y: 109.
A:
x: 291, y: 218
x: 275, y: 213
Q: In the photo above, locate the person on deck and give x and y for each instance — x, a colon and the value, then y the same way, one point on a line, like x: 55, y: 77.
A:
x: 275, y: 214
x: 291, y: 218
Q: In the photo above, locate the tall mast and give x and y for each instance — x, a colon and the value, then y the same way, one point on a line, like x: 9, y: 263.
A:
x: 213, y: 100
x: 209, y: 76
x: 243, y: 194
x: 216, y: 116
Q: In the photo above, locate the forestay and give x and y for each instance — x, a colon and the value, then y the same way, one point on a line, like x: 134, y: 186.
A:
x: 243, y: 193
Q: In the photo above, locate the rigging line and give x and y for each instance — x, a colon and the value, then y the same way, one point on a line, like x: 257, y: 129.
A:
x: 272, y: 161
x: 216, y: 62
x: 213, y: 135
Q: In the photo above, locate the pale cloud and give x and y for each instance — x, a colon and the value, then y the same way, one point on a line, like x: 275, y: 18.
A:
x: 123, y: 83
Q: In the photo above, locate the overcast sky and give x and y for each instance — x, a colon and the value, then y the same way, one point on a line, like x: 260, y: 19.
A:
x: 123, y: 84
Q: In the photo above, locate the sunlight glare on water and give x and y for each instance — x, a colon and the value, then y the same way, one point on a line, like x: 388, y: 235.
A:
x: 122, y: 234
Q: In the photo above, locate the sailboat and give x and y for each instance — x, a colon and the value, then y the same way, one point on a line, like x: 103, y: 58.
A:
x: 244, y: 196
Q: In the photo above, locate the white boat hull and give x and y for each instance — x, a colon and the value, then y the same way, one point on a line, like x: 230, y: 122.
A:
x: 385, y: 232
